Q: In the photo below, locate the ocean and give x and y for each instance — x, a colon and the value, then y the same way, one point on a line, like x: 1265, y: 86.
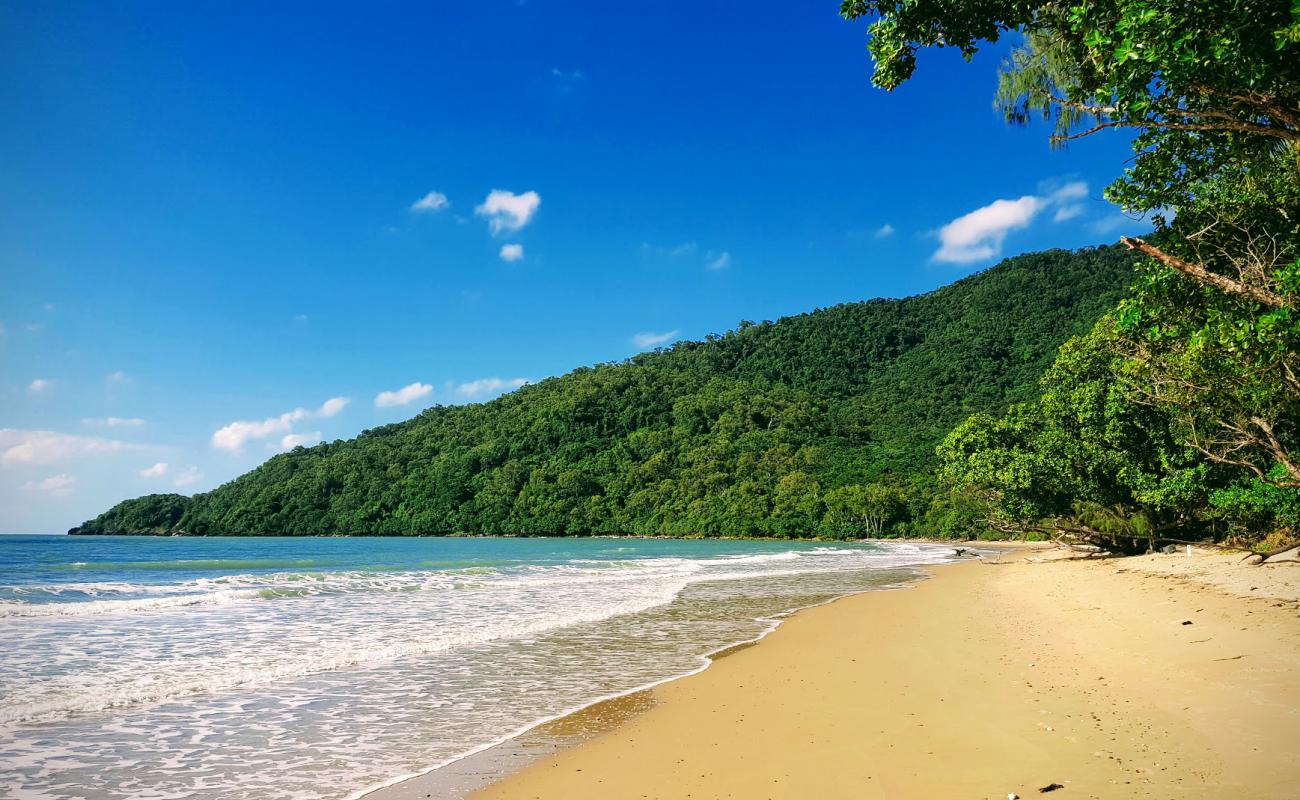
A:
x: 305, y: 667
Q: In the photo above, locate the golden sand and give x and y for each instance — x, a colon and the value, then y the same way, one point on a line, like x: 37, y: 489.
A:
x: 988, y: 680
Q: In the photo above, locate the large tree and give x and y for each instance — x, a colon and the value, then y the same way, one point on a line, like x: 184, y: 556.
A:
x: 1210, y: 337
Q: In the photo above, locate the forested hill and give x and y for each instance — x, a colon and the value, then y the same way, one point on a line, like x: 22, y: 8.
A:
x: 822, y: 423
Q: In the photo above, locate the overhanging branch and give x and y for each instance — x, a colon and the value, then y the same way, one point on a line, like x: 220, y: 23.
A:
x: 1202, y: 275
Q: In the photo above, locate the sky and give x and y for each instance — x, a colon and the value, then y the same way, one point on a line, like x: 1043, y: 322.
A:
x: 229, y: 229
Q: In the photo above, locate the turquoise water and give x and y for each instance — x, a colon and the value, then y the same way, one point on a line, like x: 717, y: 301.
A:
x: 317, y: 667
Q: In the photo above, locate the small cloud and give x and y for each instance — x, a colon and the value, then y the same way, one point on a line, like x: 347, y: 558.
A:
x: 1074, y: 190
x: 113, y: 422
x: 48, y: 307
x: 117, y: 376
x: 1067, y: 212
x: 884, y: 231
x: 332, y: 406
x: 55, y: 485
x: 403, y: 396
x: 571, y: 75
x: 489, y: 386
x: 235, y: 435
x: 293, y: 440
x: 507, y: 211
x: 512, y: 252
x: 34, y: 327
x: 650, y: 339
x: 431, y: 203
x: 188, y: 476
x: 979, y: 235
x: 39, y: 385
x: 156, y: 471
x: 46, y: 447
x: 721, y: 261
x: 300, y: 318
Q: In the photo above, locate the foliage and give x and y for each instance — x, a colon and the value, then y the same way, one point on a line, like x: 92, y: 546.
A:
x: 154, y: 513
x: 1224, y: 364
x: 1085, y: 456
x: 1203, y: 419
x: 819, y: 424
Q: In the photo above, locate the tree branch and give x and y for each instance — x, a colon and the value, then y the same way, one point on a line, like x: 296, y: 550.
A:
x: 1203, y: 276
x: 1239, y: 127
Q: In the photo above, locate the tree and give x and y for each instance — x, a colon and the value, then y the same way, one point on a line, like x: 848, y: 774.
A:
x: 1085, y: 459
x: 1210, y: 335
x: 1213, y: 88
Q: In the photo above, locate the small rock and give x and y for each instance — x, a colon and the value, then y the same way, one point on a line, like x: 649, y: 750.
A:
x: 1051, y: 787
x: 1187, y: 622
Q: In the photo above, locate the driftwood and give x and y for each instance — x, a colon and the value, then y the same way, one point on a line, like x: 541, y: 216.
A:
x: 1271, y: 553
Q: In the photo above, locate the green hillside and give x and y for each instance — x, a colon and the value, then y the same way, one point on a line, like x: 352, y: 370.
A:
x: 823, y: 423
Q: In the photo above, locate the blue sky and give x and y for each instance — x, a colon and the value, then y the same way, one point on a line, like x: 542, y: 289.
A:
x: 212, y: 236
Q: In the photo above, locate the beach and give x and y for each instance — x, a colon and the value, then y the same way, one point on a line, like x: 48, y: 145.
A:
x: 1164, y: 676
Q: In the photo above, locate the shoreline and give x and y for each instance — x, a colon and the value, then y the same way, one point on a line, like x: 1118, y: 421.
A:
x: 1098, y: 685
x: 411, y: 785
x: 536, y: 736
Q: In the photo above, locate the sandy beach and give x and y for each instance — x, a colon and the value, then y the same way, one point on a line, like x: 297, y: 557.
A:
x: 1164, y: 676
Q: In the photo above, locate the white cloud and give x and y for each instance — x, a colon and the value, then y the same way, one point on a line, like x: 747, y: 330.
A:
x: 117, y: 377
x: 512, y: 252
x: 113, y: 422
x: 293, y: 440
x: 402, y: 396
x: 507, y: 211
x: 46, y: 447
x: 487, y: 386
x: 1067, y: 212
x: 332, y: 406
x: 39, y: 385
x: 721, y: 261
x: 156, y: 471
x: 55, y: 485
x: 651, y: 339
x: 884, y: 231
x: 188, y: 476
x: 1074, y: 190
x: 979, y: 235
x: 431, y: 203
x: 234, y: 436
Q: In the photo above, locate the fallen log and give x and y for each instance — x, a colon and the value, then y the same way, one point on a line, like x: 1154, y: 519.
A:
x: 1271, y: 553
